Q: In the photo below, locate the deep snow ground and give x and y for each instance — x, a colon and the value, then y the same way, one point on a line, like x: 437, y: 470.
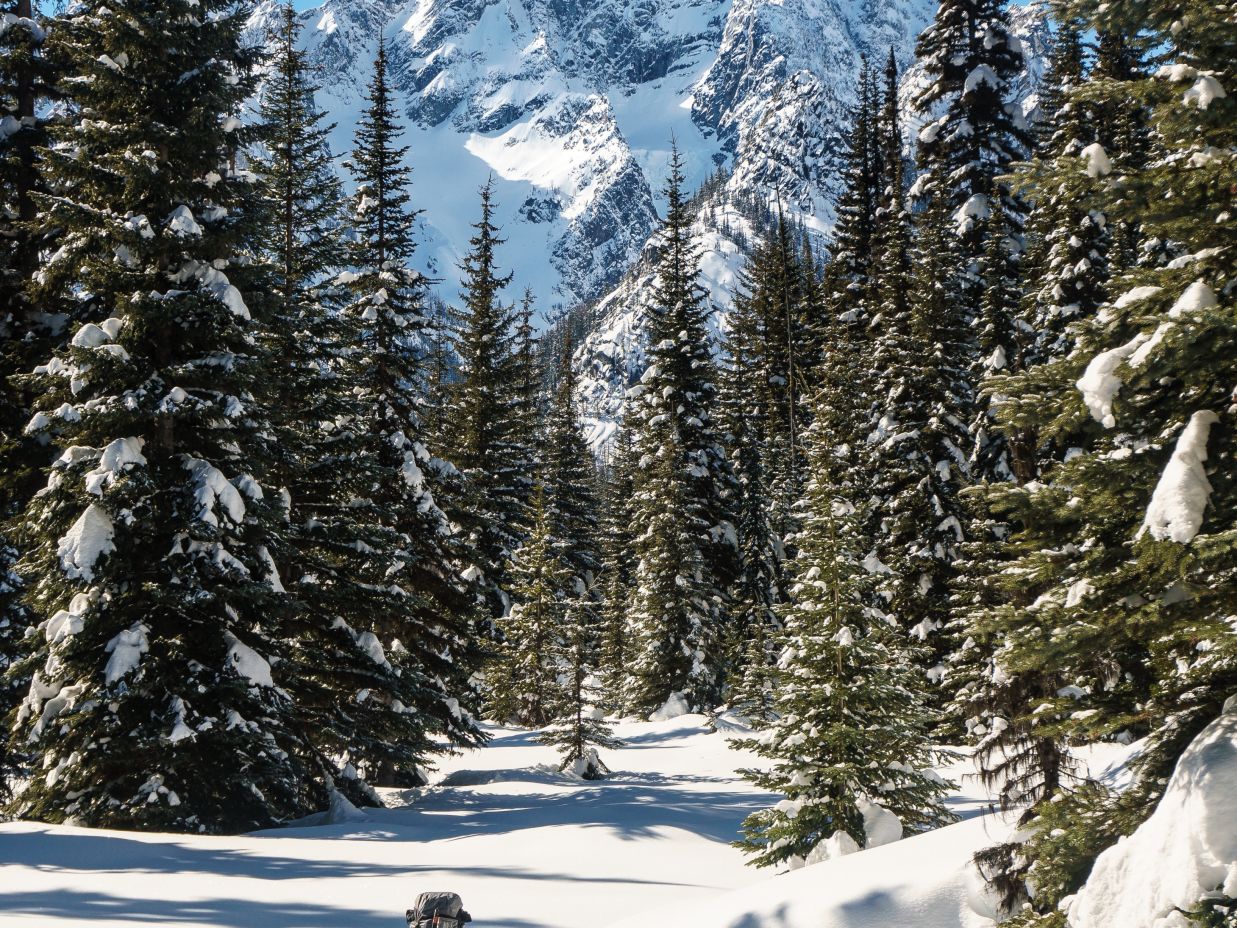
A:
x: 524, y: 846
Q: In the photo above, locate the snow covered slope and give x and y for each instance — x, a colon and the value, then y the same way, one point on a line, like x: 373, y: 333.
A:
x: 524, y: 846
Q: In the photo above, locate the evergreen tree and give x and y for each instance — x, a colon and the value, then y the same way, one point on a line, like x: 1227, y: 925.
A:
x: 1126, y: 549
x: 575, y: 730
x: 778, y: 361
x: 158, y: 609
x: 678, y: 638
x: 890, y: 282
x: 851, y: 270
x: 1026, y: 765
x: 970, y: 57
x: 25, y: 75
x: 570, y: 480
x: 391, y: 559
x: 522, y: 683
x: 849, y: 747
x: 744, y: 403
x: 527, y: 407
x: 481, y: 404
x: 915, y: 455
x: 685, y: 489
x: 616, y: 582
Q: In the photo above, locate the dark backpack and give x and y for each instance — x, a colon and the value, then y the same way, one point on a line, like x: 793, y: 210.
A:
x: 438, y: 910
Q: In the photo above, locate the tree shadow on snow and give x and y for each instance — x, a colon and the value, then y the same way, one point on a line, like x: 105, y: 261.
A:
x: 47, y: 850
x: 75, y: 907
x: 631, y: 806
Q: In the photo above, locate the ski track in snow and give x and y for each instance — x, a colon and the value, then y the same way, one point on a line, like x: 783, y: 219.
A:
x: 523, y: 845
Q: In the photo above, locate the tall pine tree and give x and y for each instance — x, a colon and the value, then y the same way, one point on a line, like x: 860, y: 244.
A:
x: 482, y: 399
x: 1126, y: 550
x: 159, y: 613
x: 685, y: 488
x: 849, y: 746
x: 395, y: 560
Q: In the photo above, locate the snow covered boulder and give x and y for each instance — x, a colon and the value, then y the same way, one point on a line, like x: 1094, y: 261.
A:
x: 674, y: 707
x: 1184, y: 851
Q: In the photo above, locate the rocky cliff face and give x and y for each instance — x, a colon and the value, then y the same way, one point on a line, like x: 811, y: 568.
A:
x: 571, y: 105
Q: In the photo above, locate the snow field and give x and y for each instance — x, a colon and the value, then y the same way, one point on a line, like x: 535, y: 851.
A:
x: 525, y: 846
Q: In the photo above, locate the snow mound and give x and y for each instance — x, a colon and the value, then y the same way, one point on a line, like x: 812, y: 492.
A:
x: 1186, y: 849
x: 674, y: 707
x: 926, y: 881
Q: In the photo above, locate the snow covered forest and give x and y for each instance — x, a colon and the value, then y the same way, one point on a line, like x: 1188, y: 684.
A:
x: 939, y: 523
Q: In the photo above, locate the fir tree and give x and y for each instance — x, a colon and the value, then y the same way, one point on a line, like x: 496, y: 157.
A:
x: 744, y: 402
x: 687, y: 553
x: 481, y: 402
x: 851, y: 269
x: 890, y: 282
x: 916, y: 452
x: 391, y: 553
x: 25, y: 75
x: 1026, y: 765
x: 526, y: 407
x: 570, y: 480
x: 970, y: 56
x: 575, y: 730
x: 774, y: 285
x: 521, y: 684
x: 849, y: 746
x: 157, y: 604
x: 616, y: 582
x: 1124, y: 593
x: 678, y: 638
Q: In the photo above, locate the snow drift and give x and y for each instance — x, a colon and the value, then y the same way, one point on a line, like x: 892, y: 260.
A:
x: 1184, y: 851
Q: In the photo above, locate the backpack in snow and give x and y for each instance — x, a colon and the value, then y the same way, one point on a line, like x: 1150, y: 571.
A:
x: 438, y: 910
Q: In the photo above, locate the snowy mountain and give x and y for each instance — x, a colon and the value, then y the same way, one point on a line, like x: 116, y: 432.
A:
x: 770, y: 166
x: 571, y: 106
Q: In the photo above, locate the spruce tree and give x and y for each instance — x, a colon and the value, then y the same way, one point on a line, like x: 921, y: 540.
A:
x: 1126, y: 551
x: 526, y: 407
x: 964, y: 153
x: 570, y: 480
x: 25, y: 78
x: 916, y: 452
x: 969, y: 56
x: 781, y: 368
x: 158, y: 607
x: 1067, y: 247
x: 850, y: 746
x: 616, y: 581
x: 744, y: 403
x: 522, y: 681
x: 575, y: 729
x: 685, y: 489
x: 481, y: 400
x: 678, y: 637
x: 851, y: 270
x: 392, y: 557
